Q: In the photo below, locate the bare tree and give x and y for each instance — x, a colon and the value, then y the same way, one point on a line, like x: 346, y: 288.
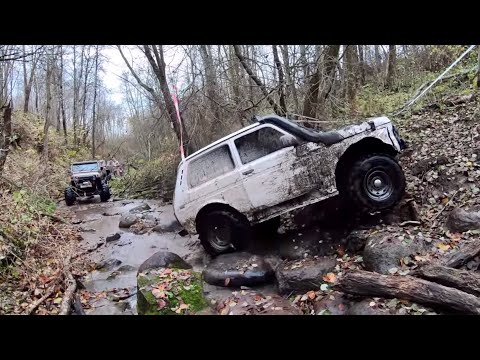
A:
x: 94, y: 115
x: 48, y: 81
x: 392, y: 60
x: 5, y: 134
x: 281, y: 79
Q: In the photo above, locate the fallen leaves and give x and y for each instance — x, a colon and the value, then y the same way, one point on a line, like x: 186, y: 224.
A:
x: 330, y: 278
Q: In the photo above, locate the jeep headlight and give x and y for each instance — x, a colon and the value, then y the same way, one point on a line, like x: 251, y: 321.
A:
x: 94, y: 177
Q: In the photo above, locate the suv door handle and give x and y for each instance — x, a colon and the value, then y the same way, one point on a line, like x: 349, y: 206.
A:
x: 246, y: 172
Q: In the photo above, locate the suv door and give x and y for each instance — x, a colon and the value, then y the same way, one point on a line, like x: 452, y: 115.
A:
x: 267, y: 166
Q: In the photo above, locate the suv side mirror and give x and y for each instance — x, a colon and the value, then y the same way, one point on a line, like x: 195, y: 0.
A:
x: 289, y: 140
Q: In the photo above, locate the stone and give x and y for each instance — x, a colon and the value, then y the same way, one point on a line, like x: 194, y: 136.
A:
x: 163, y: 259
x: 301, y: 276
x: 460, y: 220
x: 383, y: 252
x: 238, y: 269
x: 107, y: 265
x: 127, y: 220
x: 140, y: 208
x: 113, y: 237
x: 334, y: 303
x: 170, y: 291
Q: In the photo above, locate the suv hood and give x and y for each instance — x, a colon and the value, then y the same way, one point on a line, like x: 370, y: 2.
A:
x: 370, y: 124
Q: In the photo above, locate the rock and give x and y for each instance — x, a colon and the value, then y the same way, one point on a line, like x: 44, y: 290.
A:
x: 113, y: 237
x: 169, y: 291
x: 106, y: 265
x: 254, y: 303
x: 76, y: 221
x: 383, y: 252
x: 197, y: 258
x: 303, y: 275
x: 123, y: 242
x: 163, y: 259
x: 364, y: 308
x: 172, y: 227
x: 82, y: 229
x: 423, y: 166
x: 109, y: 213
x: 125, y: 268
x: 334, y: 303
x: 140, y: 208
x: 127, y: 220
x: 460, y: 220
x: 237, y: 269
x: 273, y: 261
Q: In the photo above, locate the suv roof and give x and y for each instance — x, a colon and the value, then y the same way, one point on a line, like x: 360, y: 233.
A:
x: 85, y: 162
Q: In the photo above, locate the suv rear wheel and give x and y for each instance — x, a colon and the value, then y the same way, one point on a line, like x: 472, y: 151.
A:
x: 375, y: 182
x: 223, y: 231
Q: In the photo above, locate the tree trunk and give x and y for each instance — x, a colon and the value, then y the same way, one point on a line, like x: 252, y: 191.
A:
x: 48, y: 79
x: 378, y: 59
x: 463, y: 280
x: 5, y: 134
x: 361, y: 64
x: 84, y: 104
x: 350, y: 73
x: 291, y: 88
x: 278, y: 110
x: 28, y: 82
x: 366, y: 283
x: 62, y: 102
x: 94, y: 115
x: 210, y: 80
x: 313, y: 95
x: 392, y: 60
x: 281, y: 79
x: 463, y: 255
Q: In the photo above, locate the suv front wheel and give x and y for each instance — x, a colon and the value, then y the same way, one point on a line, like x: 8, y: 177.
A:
x: 223, y: 231
x: 376, y: 182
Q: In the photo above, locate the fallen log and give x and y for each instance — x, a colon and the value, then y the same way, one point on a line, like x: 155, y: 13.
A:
x: 37, y: 303
x: 463, y: 280
x: 409, y: 288
x: 68, y: 296
x: 463, y: 255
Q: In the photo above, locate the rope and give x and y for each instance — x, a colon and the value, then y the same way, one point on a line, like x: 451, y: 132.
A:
x: 410, y: 103
x: 175, y: 102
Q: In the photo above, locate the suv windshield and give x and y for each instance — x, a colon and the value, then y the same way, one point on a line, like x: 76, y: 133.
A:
x: 85, y: 167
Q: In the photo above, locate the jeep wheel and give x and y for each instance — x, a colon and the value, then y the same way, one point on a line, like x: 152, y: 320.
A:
x: 70, y: 196
x: 222, y: 231
x: 105, y: 193
x: 376, y: 182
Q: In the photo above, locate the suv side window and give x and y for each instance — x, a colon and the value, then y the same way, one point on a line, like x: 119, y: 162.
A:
x: 210, y: 166
x: 258, y: 144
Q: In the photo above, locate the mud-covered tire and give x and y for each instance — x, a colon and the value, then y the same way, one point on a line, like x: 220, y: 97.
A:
x: 105, y: 193
x: 223, y: 231
x: 375, y: 182
x: 70, y: 196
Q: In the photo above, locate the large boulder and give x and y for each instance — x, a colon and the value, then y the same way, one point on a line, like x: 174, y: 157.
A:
x: 140, y: 208
x: 334, y: 303
x: 238, y: 269
x: 127, y: 220
x: 254, y: 303
x: 460, y: 220
x: 170, y: 291
x: 384, y: 252
x: 164, y: 259
x: 303, y: 275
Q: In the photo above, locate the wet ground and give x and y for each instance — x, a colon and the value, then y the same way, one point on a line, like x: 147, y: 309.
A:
x: 125, y: 255
x: 113, y: 287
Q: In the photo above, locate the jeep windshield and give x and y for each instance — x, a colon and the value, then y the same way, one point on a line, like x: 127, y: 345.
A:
x: 85, y: 167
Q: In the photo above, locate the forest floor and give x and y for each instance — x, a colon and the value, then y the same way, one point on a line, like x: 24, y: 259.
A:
x: 442, y: 168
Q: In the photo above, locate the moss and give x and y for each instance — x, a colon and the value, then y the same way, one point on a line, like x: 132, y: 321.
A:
x: 188, y: 291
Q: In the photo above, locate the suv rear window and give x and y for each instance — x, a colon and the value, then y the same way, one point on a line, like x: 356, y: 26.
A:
x: 258, y: 144
x: 209, y: 166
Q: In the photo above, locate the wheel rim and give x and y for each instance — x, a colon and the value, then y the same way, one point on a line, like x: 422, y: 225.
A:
x: 378, y: 185
x: 219, y: 237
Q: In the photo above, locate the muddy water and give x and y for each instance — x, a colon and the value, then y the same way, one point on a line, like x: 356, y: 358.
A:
x: 129, y: 252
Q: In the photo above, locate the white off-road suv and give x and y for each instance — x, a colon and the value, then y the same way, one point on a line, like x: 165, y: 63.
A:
x: 275, y: 166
